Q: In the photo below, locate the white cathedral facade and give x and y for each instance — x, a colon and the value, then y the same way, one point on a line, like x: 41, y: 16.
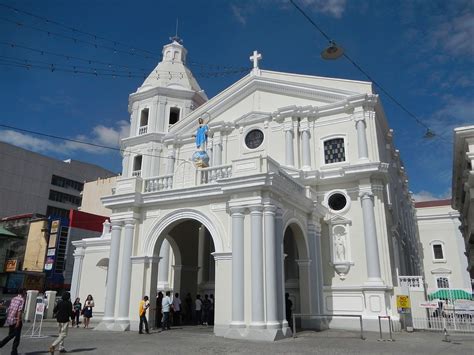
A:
x: 304, y: 194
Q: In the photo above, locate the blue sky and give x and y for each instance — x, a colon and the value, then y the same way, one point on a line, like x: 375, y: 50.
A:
x: 420, y: 51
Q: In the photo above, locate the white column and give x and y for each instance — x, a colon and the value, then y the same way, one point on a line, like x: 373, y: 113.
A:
x: 126, y: 274
x: 155, y: 161
x: 289, y: 152
x: 238, y: 216
x: 271, y: 267
x: 279, y: 260
x: 257, y: 266
x: 217, y: 149
x: 126, y: 170
x: 77, y: 271
x: 305, y: 146
x: 201, y: 237
x: 112, y: 274
x: 370, y: 232
x: 170, y: 161
x: 162, y: 119
x: 314, y: 235
x: 163, y: 265
x: 361, y: 137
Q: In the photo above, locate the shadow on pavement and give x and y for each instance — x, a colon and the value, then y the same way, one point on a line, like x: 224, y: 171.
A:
x: 69, y: 351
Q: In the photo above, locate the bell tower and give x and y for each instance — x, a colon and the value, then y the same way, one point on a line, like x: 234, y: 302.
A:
x: 168, y: 94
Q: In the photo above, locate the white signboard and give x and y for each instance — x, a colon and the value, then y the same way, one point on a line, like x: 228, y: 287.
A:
x: 40, y: 308
x: 433, y: 305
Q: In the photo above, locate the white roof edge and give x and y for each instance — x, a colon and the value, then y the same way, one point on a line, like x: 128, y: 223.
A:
x: 317, y: 77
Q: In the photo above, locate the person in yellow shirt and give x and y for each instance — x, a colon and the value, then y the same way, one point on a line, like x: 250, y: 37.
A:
x: 142, y: 308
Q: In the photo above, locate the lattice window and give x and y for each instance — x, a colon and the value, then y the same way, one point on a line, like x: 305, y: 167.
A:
x: 334, y: 151
x: 442, y: 282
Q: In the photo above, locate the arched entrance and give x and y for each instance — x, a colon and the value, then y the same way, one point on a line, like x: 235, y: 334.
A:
x: 296, y: 271
x: 190, y: 268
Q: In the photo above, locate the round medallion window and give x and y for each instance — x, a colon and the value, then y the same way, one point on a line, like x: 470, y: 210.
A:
x: 254, y: 139
x: 337, y: 201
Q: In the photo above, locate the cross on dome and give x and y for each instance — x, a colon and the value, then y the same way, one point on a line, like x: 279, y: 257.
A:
x: 255, y: 58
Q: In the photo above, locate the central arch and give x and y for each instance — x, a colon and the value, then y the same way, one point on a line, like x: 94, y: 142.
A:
x: 193, y: 239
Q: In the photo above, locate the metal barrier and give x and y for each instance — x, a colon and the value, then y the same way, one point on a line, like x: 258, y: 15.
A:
x: 301, y: 315
x: 389, y: 328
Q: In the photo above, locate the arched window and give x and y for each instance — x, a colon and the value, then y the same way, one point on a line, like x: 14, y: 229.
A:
x: 137, y: 166
x: 334, y: 151
x: 442, y: 282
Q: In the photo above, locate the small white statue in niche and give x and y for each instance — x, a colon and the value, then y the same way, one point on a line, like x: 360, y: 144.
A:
x: 340, y: 262
x: 340, y: 243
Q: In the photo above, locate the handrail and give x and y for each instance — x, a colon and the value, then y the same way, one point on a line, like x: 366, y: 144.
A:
x: 328, y: 315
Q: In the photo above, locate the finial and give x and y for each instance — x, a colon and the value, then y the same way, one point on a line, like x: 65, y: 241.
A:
x: 176, y: 37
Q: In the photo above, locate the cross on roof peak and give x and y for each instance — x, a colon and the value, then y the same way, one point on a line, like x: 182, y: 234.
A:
x: 255, y: 58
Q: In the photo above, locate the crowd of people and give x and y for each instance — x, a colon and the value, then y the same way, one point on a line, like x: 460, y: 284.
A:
x: 172, y: 310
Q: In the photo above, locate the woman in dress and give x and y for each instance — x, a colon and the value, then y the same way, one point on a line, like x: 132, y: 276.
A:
x: 87, y: 310
x: 77, y: 306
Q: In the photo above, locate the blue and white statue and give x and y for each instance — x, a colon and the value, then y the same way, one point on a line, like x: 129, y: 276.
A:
x: 200, y: 157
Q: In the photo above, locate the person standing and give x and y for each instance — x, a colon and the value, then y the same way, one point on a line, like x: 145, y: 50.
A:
x: 142, y: 308
x: 158, y: 313
x: 198, y: 306
x: 15, y: 321
x: 166, y: 306
x: 176, y: 310
x: 288, y: 308
x: 77, y: 307
x: 64, y: 312
x: 206, y: 306
x: 87, y: 310
x: 211, y: 310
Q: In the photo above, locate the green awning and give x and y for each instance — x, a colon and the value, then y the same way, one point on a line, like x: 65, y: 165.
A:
x: 450, y: 294
x: 5, y: 233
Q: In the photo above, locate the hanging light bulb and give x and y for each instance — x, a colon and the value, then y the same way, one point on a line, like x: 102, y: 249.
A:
x: 333, y: 51
x: 429, y: 134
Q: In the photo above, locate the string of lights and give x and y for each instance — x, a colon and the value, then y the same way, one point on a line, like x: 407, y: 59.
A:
x: 79, y: 69
x: 429, y: 133
x: 130, y: 50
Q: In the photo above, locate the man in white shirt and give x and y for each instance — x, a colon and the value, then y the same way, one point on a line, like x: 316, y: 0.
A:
x: 176, y: 310
x: 198, y: 305
x: 165, y: 309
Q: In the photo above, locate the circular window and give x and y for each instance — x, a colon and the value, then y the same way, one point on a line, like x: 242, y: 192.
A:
x: 337, y: 201
x: 254, y: 139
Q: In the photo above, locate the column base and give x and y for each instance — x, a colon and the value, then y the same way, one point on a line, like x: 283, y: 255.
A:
x: 257, y: 334
x: 121, y: 325
x: 273, y: 325
x: 106, y: 324
x: 257, y: 325
x: 237, y: 325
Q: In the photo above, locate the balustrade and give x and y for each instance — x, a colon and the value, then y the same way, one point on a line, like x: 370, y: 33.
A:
x: 142, y: 130
x: 214, y: 173
x: 159, y: 183
x: 412, y: 282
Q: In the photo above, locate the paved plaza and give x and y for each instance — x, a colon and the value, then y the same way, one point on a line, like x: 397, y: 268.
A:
x: 200, y: 340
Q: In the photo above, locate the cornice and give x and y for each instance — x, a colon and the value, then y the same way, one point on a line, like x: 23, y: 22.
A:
x: 142, y: 139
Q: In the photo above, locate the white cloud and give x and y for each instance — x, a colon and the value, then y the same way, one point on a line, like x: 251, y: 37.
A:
x: 238, y: 14
x: 333, y: 8
x: 101, y: 135
x: 429, y: 196
x: 455, y: 35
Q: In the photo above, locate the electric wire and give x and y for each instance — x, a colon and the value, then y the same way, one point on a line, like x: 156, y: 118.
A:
x: 78, y: 141
x: 364, y: 72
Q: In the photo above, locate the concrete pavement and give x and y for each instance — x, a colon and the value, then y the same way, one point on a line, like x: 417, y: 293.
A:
x: 200, y: 340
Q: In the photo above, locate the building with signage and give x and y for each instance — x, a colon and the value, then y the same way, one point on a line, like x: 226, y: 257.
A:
x: 34, y: 183
x: 281, y: 183
x: 444, y: 261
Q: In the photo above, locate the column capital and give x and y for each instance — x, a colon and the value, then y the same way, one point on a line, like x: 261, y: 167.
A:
x: 237, y: 211
x: 222, y: 256
x: 256, y: 209
x: 304, y: 126
x: 269, y: 209
x: 366, y: 193
x: 303, y: 262
x: 130, y: 223
x: 288, y: 126
x: 116, y: 224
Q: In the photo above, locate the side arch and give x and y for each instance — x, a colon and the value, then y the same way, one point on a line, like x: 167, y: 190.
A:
x: 299, y: 234
x: 166, y: 223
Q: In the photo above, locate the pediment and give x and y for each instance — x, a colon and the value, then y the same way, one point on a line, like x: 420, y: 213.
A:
x: 253, y: 97
x: 441, y: 270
